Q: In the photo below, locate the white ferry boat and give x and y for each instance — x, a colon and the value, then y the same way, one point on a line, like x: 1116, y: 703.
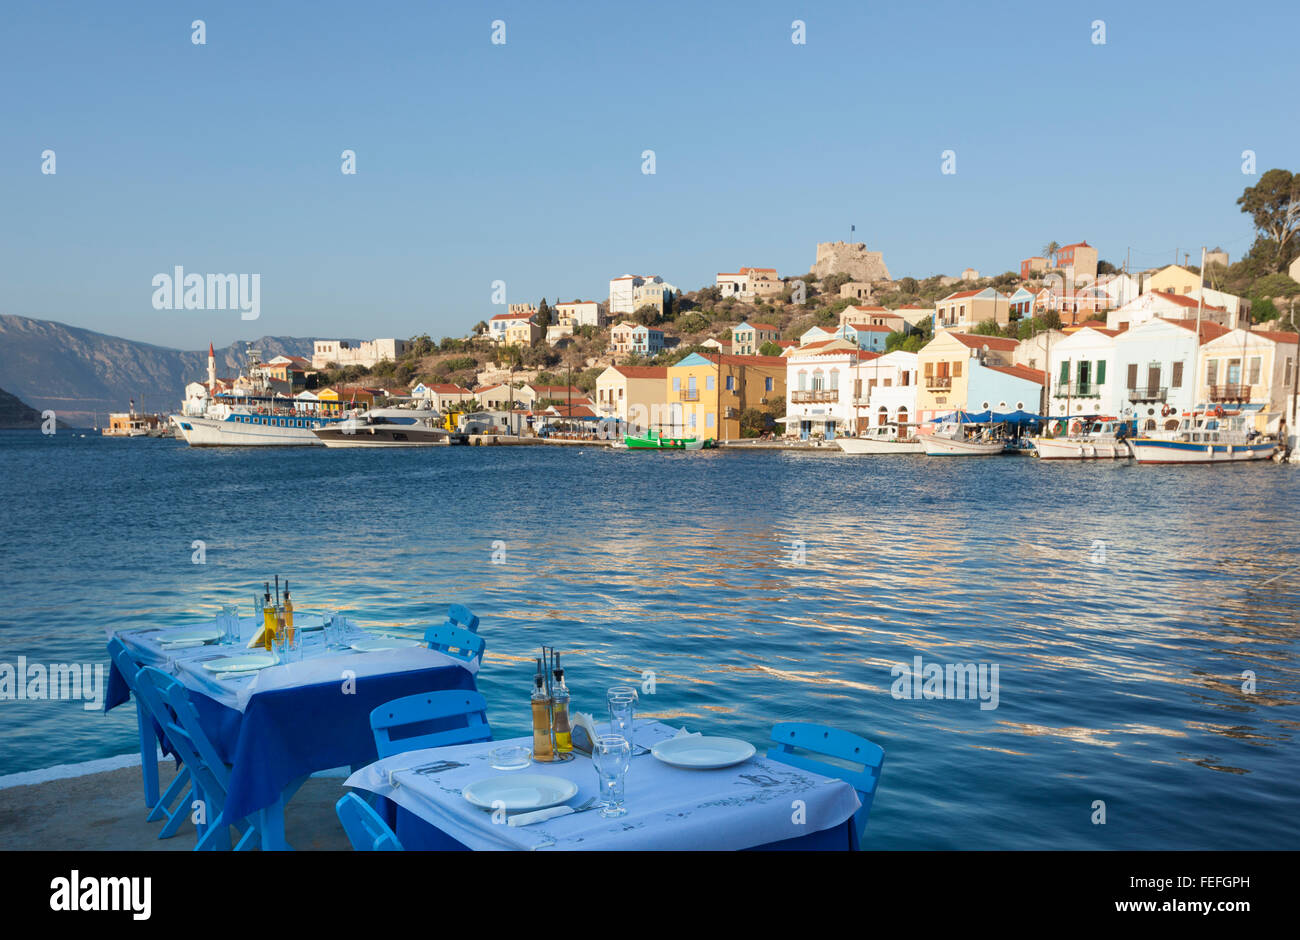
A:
x: 1101, y: 439
x: 1205, y: 437
x: 249, y: 422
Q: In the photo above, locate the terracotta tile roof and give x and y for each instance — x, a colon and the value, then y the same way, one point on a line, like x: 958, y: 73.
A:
x: 959, y: 295
x: 1184, y: 301
x: 1075, y: 245
x: 514, y: 316
x: 1022, y: 372
x: 1286, y: 339
x: 978, y: 342
x: 868, y: 327
x: 873, y: 309
x: 642, y: 372
x: 767, y: 327
x: 728, y: 359
x: 1209, y: 329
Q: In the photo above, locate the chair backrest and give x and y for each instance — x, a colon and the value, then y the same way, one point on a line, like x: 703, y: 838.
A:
x: 461, y: 616
x: 366, y: 830
x: 145, y: 692
x: 841, y: 745
x: 455, y: 642
x: 430, y: 719
x: 180, y: 723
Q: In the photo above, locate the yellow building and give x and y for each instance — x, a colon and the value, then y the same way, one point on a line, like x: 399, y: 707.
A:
x: 522, y: 332
x: 1174, y: 279
x: 1249, y: 370
x: 706, y: 394
x: 344, y: 397
x: 631, y: 394
x: 945, y: 367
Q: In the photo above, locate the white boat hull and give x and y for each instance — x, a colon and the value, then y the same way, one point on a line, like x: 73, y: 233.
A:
x: 867, y: 445
x: 1062, y: 448
x: 1149, y: 450
x: 937, y: 446
x: 215, y: 432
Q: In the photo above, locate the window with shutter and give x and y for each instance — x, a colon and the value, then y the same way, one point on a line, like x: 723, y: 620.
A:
x: 1101, y: 371
x: 1176, y: 380
x: 1132, y: 375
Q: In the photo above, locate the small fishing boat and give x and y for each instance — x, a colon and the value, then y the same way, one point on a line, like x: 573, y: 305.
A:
x: 654, y: 440
x: 882, y: 439
x: 386, y: 427
x: 1213, y: 436
x: 958, y: 440
x: 1100, y: 439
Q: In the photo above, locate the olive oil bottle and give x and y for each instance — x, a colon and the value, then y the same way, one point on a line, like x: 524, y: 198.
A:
x: 560, y: 712
x: 541, y: 702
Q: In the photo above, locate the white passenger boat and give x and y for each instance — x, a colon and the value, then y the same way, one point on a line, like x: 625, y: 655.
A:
x: 882, y: 439
x: 1205, y: 437
x: 1087, y: 440
x: 957, y: 440
x: 386, y: 427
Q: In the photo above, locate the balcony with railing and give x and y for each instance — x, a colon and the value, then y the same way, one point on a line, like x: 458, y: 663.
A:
x: 689, y: 394
x: 1077, y: 390
x: 938, y: 381
x: 804, y: 397
x: 1148, y: 393
x: 1230, y: 393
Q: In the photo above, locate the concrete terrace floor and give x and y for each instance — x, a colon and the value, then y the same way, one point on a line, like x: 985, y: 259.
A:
x: 106, y: 811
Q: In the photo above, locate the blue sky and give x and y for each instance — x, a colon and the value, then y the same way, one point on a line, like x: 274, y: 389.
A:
x: 522, y: 162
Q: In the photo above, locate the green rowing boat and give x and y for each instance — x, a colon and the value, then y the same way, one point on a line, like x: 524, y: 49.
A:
x: 654, y: 440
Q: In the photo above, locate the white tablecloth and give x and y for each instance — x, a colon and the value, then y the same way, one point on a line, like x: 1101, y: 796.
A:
x: 754, y: 803
x: 318, y: 663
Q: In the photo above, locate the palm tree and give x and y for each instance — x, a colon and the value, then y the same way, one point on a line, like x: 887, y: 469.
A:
x: 1050, y: 250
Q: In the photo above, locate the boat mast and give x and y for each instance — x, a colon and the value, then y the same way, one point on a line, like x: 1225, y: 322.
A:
x: 1196, y: 355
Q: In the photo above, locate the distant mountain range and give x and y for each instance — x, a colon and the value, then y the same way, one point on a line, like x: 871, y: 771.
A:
x: 83, y: 375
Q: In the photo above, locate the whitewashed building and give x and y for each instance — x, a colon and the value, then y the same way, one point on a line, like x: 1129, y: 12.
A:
x: 884, y: 391
x: 819, y: 389
x: 1155, y: 361
x: 1157, y: 304
x: 1083, y: 374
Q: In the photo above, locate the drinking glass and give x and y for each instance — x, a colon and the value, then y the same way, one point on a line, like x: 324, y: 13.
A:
x: 230, y: 624
x: 622, y: 711
x: 611, y: 755
x: 280, y: 646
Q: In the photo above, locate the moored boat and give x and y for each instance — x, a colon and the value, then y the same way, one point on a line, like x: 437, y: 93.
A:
x: 956, y: 440
x: 386, y: 427
x: 654, y: 440
x: 1205, y: 437
x: 883, y: 439
x: 1102, y: 439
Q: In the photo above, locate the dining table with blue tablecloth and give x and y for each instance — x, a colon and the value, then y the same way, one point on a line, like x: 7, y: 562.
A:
x: 758, y: 804
x: 277, y: 726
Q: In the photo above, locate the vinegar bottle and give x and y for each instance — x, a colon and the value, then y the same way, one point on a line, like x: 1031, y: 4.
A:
x: 560, y: 709
x: 541, y: 717
x: 268, y: 620
x: 288, y: 615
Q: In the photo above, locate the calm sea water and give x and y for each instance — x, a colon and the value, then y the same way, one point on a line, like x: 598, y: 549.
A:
x: 1120, y: 665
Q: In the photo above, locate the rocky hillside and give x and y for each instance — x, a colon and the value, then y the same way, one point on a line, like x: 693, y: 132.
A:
x: 16, y: 414
x: 81, y: 374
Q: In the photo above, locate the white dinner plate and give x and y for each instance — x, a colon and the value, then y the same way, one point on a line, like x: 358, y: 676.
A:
x: 702, y: 753
x: 374, y: 644
x: 190, y: 635
x: 520, y: 791
x: 247, y: 663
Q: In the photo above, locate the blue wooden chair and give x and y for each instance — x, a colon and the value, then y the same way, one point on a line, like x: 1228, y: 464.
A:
x: 455, y: 642
x: 461, y: 616
x: 430, y: 719
x: 841, y: 745
x: 209, y: 773
x: 147, y: 706
x: 365, y: 829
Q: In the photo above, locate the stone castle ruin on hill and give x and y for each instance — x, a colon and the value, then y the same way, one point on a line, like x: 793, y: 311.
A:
x: 852, y: 259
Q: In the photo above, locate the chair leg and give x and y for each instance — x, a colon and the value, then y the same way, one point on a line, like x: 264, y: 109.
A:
x: 148, y: 754
x: 180, y: 815
x: 217, y: 837
x: 162, y: 809
x: 249, y: 840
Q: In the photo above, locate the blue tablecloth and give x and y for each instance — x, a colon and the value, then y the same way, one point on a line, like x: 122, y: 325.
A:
x: 287, y: 734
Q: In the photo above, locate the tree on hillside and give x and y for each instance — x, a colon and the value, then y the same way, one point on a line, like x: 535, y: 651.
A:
x: 1105, y: 267
x: 987, y: 328
x: 1273, y: 204
x: 908, y: 285
x: 769, y: 348
x: 543, y: 314
x: 1050, y: 250
x: 646, y: 315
